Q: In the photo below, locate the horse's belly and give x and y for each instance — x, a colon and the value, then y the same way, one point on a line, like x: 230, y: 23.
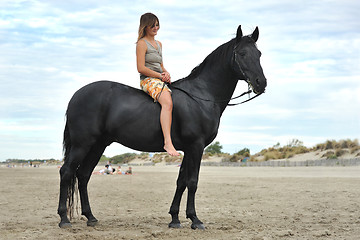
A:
x: 141, y: 144
x: 142, y: 134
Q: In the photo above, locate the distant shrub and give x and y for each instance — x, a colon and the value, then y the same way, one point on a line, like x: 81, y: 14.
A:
x: 291, y: 149
x: 273, y: 155
x: 301, y: 149
x: 244, y: 152
x: 225, y: 157
x: 354, y: 143
x: 235, y: 158
x: 206, y: 156
x: 354, y: 149
x: 123, y: 158
x: 339, y: 152
x: 214, y: 148
x: 333, y: 144
x: 329, y: 155
x: 103, y: 158
x: 295, y: 143
x: 329, y: 144
x: 158, y: 157
x: 344, y: 143
x: 144, y: 155
x: 171, y: 159
x: 320, y: 146
x: 240, y: 155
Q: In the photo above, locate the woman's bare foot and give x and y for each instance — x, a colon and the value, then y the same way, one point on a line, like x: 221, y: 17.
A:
x: 171, y: 150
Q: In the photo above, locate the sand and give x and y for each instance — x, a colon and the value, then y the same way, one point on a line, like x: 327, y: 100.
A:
x: 233, y: 202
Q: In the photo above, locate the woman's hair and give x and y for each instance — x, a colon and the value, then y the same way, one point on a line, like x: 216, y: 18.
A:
x: 146, y: 20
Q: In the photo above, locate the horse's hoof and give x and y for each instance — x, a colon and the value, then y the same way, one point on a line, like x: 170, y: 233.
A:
x: 65, y: 225
x: 198, y: 226
x: 92, y: 223
x: 175, y: 225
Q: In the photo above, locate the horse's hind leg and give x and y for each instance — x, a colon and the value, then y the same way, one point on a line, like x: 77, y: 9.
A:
x: 67, y: 181
x: 192, y: 169
x: 175, y: 206
x: 83, y: 174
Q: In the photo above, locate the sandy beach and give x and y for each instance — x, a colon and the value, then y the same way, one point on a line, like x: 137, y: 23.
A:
x: 233, y: 202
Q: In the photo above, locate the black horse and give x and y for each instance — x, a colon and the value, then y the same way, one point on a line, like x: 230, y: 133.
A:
x: 104, y: 112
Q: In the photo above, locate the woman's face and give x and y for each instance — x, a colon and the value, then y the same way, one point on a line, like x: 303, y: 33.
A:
x: 152, y: 30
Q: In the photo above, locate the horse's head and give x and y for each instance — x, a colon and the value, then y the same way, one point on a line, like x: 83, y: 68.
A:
x: 246, y: 62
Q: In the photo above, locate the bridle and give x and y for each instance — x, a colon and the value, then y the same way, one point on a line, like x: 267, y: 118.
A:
x: 234, y: 60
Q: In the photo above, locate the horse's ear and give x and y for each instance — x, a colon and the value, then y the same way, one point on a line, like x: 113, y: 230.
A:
x: 239, y: 34
x: 255, y: 34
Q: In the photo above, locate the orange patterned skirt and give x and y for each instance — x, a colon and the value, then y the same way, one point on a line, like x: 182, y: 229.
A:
x: 153, y: 87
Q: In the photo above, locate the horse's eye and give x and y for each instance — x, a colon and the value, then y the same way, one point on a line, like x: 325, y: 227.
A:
x: 242, y: 53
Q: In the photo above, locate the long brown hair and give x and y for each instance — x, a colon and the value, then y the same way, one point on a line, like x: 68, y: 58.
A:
x: 146, y: 20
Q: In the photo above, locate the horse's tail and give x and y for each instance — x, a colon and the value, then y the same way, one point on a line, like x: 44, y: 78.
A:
x: 72, y: 188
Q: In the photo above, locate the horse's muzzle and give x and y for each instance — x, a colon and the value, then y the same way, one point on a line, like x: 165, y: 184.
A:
x: 258, y: 85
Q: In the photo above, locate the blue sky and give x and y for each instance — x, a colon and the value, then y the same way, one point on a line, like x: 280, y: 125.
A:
x: 311, y: 58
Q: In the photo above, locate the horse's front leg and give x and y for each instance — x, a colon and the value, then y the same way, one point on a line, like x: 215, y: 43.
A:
x: 194, y: 155
x: 193, y: 178
x: 190, y: 207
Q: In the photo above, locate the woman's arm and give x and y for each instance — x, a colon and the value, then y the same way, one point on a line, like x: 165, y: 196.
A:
x: 141, y: 48
x: 165, y: 75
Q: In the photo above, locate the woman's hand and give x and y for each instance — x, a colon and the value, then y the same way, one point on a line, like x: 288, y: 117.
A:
x: 166, y: 77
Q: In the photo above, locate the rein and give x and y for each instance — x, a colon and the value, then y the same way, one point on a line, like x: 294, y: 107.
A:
x: 220, y: 101
x: 234, y: 104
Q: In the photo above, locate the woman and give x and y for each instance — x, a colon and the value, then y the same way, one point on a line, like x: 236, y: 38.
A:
x: 153, y: 75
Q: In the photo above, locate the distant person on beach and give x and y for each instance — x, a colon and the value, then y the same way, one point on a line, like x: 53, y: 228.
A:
x: 129, y: 171
x: 107, y: 170
x: 119, y: 171
x: 110, y: 170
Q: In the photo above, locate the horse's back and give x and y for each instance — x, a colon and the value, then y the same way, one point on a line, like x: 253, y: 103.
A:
x: 114, y: 110
x: 100, y: 93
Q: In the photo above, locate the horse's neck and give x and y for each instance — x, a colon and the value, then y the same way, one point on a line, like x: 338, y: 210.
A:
x: 214, y: 82
x: 219, y: 82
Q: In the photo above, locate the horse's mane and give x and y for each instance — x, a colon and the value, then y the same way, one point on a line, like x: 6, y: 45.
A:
x: 219, y: 53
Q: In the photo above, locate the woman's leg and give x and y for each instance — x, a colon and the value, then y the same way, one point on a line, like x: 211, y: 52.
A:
x: 165, y: 121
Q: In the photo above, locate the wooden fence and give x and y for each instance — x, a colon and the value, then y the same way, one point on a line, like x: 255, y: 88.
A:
x: 288, y: 163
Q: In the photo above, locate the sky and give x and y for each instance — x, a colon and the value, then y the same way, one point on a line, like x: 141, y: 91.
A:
x: 310, y: 57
